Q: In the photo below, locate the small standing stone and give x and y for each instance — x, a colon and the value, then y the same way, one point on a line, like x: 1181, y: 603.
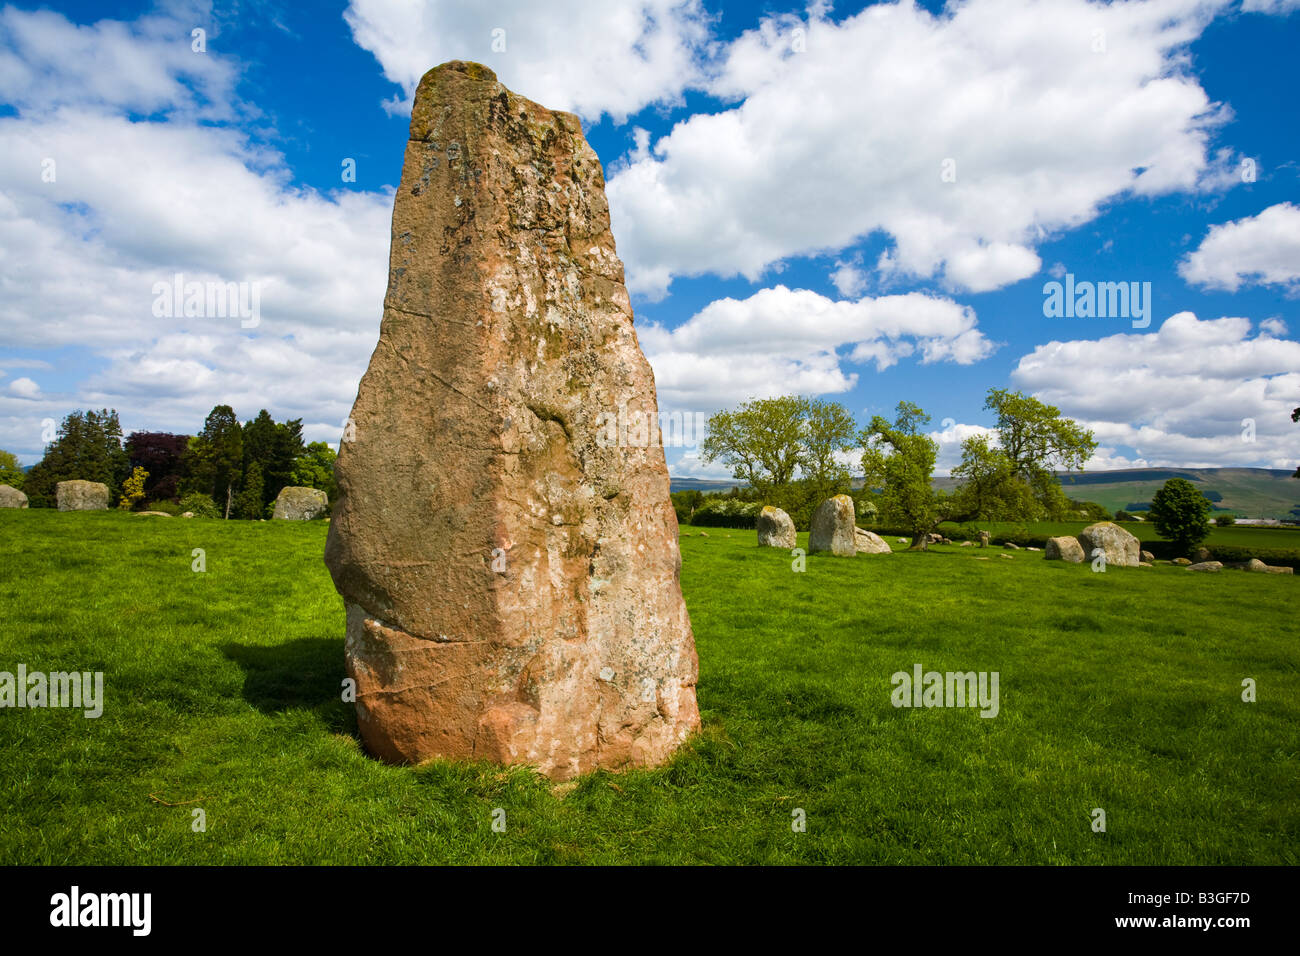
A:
x: 868, y: 542
x: 775, y: 529
x: 11, y: 497
x: 81, y: 495
x: 1120, y: 547
x: 833, y: 529
x: 1063, y: 548
x: 295, y: 503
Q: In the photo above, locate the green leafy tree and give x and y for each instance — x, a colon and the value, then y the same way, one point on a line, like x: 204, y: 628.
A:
x: 988, y: 490
x: 828, y: 432
x: 1014, y: 477
x: 1180, y: 513
x: 910, y: 418
x: 133, y: 489
x: 285, y: 452
x: 900, y: 460
x: 686, y: 503
x: 160, y: 454
x: 276, y: 447
x: 1090, y: 511
x: 314, y: 468
x: 213, y: 462
x: 248, y: 503
x: 761, y: 441
x: 787, y: 449
x: 199, y: 504
x: 88, y: 447
x: 11, y: 473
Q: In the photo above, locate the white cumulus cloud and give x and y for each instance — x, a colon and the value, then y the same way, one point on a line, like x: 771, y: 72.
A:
x: 24, y: 388
x: 1180, y: 396
x: 590, y: 57
x: 113, y: 184
x: 966, y: 138
x: 782, y: 341
x: 1262, y: 249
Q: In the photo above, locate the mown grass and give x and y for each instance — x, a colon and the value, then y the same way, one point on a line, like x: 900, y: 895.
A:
x: 1119, y: 690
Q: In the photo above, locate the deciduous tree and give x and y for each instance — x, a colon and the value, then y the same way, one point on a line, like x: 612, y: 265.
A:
x: 762, y: 441
x: 899, y: 459
x: 1180, y: 513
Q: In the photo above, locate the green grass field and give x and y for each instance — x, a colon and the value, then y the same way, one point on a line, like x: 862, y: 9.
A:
x: 1119, y: 691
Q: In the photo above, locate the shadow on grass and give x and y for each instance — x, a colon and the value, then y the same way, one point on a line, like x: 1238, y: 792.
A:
x: 306, y: 674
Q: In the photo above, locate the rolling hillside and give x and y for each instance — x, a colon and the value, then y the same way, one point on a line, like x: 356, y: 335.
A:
x: 1245, y: 492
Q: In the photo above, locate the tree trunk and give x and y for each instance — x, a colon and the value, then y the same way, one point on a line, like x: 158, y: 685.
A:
x: 920, y: 541
x: 229, y: 489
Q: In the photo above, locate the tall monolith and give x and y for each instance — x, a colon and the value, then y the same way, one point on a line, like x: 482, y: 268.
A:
x: 507, y: 553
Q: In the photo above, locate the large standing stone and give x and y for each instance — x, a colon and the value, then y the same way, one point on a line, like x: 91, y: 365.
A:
x: 775, y: 529
x: 868, y: 542
x: 832, y: 528
x: 984, y: 539
x: 1121, y: 548
x: 81, y: 495
x: 503, y: 538
x: 1063, y: 548
x: 295, y: 503
x: 11, y: 497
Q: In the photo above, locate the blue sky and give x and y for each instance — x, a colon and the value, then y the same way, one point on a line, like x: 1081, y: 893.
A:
x: 859, y: 202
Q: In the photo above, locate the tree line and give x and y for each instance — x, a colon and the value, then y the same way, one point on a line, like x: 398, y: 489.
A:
x: 791, y: 452
x: 228, y: 469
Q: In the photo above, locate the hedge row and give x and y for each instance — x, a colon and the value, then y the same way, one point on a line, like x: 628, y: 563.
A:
x: 714, y: 519
x: 1285, y: 557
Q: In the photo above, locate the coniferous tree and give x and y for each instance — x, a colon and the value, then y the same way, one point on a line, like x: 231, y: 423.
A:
x: 248, y: 503
x: 213, y: 463
x: 276, y: 447
x: 88, y: 448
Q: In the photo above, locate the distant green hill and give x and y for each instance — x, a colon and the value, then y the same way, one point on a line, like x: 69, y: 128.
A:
x: 701, y: 484
x: 1246, y: 492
